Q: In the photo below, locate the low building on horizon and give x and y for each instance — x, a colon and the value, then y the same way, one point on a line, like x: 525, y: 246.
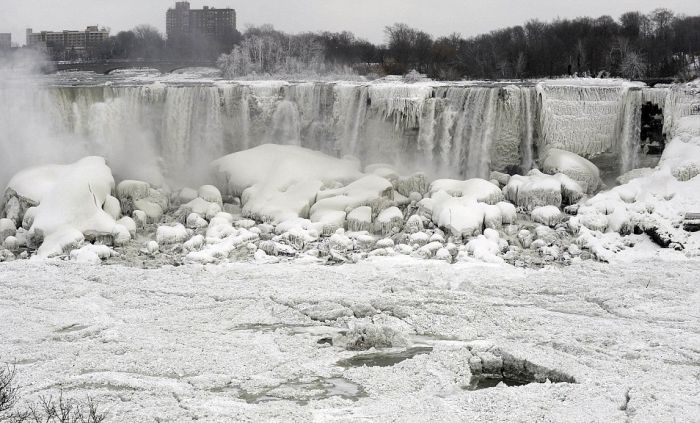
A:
x: 73, y: 43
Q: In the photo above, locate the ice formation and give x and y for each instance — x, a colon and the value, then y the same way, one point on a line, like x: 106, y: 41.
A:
x: 298, y: 199
x: 574, y: 166
x: 448, y: 130
x: 71, y: 200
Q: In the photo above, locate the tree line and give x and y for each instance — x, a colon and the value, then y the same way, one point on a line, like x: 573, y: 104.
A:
x: 637, y: 45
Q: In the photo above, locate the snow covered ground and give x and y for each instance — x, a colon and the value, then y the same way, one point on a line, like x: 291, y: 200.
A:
x: 247, y: 342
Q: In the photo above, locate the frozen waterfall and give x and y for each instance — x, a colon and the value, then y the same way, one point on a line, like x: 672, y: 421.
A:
x: 455, y: 130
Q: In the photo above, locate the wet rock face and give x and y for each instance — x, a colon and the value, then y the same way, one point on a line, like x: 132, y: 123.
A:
x: 13, y: 206
x: 498, y: 364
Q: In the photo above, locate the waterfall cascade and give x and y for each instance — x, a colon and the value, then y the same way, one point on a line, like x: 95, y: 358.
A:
x: 447, y: 130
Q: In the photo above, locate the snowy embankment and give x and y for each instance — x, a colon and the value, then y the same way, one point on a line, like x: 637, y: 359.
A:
x: 247, y: 342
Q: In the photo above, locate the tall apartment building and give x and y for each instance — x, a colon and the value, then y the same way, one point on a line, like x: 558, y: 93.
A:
x: 74, y: 40
x: 5, y: 41
x: 209, y: 21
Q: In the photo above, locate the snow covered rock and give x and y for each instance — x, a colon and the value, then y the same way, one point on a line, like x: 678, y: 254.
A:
x: 71, y: 206
x: 370, y: 190
x: 537, y: 189
x: 574, y: 166
x: 547, y: 215
x: 138, y: 195
x: 91, y: 254
x: 280, y: 182
x: 171, y: 234
x: 210, y: 193
x: 389, y: 220
x: 7, y: 228
x: 195, y: 221
x: 484, y: 249
x: 112, y: 207
x: 360, y: 219
x: 476, y: 189
x: 151, y: 247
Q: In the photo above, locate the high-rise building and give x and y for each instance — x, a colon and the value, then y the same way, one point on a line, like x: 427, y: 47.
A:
x: 208, y: 21
x: 74, y: 40
x: 5, y: 41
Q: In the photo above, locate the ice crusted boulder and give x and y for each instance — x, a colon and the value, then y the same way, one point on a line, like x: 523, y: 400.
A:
x: 360, y: 219
x: 27, y: 188
x: 473, y: 189
x: 7, y: 228
x: 537, y: 190
x: 71, y: 206
x: 280, y: 182
x: 176, y: 234
x: 574, y: 166
x: 547, y: 215
x: 370, y: 190
x: 389, y: 220
x: 139, y: 195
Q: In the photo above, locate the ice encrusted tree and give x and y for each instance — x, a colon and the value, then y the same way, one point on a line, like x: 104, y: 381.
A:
x: 633, y: 65
x: 266, y: 51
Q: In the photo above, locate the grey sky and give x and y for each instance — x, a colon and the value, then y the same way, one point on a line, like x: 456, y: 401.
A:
x: 366, y: 18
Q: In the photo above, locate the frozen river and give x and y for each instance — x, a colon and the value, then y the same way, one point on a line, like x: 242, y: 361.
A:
x: 246, y: 342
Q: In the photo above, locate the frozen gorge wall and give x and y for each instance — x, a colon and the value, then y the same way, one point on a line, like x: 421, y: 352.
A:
x: 445, y: 130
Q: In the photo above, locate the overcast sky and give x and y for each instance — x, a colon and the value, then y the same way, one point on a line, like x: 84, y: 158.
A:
x: 366, y: 18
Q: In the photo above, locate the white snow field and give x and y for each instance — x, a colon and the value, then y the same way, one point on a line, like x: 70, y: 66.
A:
x: 246, y: 342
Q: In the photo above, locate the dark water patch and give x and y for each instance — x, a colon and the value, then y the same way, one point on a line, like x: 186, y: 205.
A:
x: 383, y: 359
x: 484, y: 382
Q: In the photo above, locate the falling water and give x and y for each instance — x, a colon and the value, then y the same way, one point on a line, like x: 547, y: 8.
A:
x: 449, y: 130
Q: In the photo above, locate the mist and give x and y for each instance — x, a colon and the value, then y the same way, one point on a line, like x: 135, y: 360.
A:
x: 40, y: 124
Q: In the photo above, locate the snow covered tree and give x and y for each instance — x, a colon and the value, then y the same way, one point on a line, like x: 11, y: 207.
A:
x: 633, y: 65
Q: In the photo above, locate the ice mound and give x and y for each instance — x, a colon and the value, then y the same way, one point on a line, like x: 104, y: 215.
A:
x: 71, y: 204
x: 280, y: 182
x: 574, y: 166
